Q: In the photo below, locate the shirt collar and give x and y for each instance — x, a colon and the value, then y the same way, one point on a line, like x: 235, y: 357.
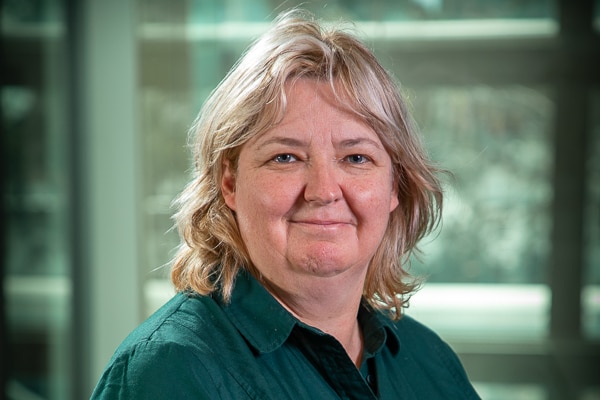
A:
x: 378, y: 330
x: 266, y: 325
x: 257, y: 315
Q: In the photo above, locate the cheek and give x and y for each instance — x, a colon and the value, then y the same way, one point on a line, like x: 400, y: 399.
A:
x: 263, y: 206
x: 266, y: 197
x: 374, y: 198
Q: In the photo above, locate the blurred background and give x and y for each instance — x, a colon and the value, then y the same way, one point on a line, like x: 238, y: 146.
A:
x: 96, y: 101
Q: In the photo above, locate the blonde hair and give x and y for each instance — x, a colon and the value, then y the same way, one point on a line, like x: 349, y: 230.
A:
x: 250, y: 100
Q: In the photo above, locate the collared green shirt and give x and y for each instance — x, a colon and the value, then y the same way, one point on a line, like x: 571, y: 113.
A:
x: 198, y: 347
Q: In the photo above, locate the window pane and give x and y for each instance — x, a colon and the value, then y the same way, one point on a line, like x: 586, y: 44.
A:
x: 35, y: 153
x: 496, y: 141
x: 511, y: 392
x: 165, y: 120
x: 597, y: 15
x: 238, y: 10
x: 591, y: 291
x: 166, y: 113
x: 484, y: 313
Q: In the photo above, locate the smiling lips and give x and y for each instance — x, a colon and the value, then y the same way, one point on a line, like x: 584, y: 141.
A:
x: 319, y: 222
x: 321, y: 225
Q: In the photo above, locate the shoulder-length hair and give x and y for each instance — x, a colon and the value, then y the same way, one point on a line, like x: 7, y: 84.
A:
x: 249, y: 101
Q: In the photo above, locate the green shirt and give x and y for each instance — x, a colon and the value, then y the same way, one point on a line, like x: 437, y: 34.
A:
x: 197, y: 347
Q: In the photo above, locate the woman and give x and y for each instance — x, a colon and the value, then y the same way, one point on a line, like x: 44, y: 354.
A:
x: 310, y: 191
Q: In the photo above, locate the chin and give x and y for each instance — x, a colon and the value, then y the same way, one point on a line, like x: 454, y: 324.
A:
x: 325, y: 267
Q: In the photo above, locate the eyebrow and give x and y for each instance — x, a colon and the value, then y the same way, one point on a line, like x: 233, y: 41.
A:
x: 349, y: 143
x: 282, y: 140
x: 297, y: 143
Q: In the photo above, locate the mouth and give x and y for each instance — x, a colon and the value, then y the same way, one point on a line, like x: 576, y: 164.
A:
x: 321, y: 224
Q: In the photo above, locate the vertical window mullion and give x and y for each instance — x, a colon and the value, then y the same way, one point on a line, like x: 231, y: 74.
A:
x: 571, y: 129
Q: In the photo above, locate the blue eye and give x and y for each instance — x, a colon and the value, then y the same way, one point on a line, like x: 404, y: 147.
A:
x: 284, y: 158
x: 357, y: 159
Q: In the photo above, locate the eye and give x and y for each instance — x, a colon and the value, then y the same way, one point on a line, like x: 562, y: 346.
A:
x: 284, y: 158
x: 357, y: 159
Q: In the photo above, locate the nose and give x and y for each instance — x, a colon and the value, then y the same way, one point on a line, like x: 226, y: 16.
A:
x: 322, y: 184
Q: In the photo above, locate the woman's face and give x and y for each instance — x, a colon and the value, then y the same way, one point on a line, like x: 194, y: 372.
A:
x: 313, y: 195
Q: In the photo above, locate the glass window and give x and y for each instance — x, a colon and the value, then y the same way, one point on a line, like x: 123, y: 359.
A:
x: 496, y: 140
x: 497, y: 144
x: 171, y: 91
x: 35, y: 153
x: 487, y: 269
x: 597, y: 15
x: 236, y: 10
x: 591, y: 289
x: 494, y: 130
x: 512, y: 392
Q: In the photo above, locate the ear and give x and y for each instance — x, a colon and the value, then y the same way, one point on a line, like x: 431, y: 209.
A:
x: 228, y: 185
x: 394, y: 201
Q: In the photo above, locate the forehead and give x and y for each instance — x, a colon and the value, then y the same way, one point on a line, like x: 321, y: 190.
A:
x: 318, y: 102
x: 315, y: 107
x: 301, y: 91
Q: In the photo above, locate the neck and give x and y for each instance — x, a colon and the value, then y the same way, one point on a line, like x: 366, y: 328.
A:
x: 328, y: 305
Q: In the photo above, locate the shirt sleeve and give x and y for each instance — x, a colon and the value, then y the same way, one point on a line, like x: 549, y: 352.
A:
x: 435, y: 368
x: 155, y: 370
x: 456, y: 369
